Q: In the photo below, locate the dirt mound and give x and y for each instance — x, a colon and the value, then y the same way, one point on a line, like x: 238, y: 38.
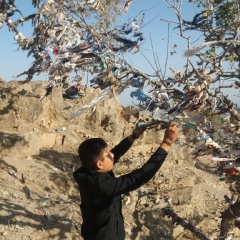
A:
x: 38, y: 147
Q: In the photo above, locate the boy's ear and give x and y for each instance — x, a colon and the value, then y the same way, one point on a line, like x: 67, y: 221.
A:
x: 99, y: 165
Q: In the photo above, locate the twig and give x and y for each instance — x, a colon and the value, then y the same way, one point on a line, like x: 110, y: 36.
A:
x: 176, y: 219
x: 167, y: 53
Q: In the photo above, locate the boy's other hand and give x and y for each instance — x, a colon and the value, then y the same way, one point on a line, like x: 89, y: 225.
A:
x: 170, y: 136
x: 138, y: 131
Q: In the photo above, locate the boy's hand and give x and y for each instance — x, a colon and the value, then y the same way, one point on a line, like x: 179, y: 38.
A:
x: 138, y: 131
x: 170, y: 136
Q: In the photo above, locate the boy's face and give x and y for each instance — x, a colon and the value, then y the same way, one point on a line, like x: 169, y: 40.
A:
x: 106, y: 161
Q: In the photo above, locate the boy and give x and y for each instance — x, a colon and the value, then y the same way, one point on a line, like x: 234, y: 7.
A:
x: 101, y: 191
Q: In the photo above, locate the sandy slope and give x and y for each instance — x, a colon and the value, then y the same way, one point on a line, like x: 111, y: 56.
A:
x: 38, y: 153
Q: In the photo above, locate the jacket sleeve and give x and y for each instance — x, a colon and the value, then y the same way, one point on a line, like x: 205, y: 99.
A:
x: 111, y: 186
x: 121, y: 149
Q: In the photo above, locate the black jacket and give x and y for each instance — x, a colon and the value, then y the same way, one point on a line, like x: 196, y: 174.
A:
x: 101, y: 194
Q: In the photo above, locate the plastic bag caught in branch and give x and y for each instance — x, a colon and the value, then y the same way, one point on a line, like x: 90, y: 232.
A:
x: 196, y: 49
x: 104, y: 95
x: 127, y: 5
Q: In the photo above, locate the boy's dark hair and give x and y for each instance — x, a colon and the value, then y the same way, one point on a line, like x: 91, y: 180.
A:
x: 89, y: 150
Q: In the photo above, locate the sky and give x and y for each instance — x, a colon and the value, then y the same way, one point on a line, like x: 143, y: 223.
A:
x: 13, y: 61
x: 159, y: 40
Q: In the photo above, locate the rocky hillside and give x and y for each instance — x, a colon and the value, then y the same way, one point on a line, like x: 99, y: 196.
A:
x: 38, y: 153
